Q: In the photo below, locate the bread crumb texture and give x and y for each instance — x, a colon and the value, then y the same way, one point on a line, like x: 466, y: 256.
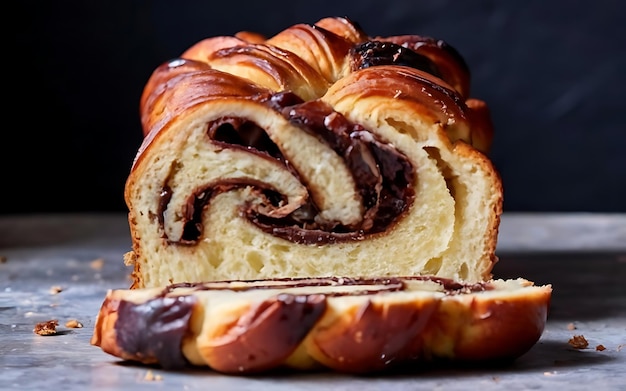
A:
x: 97, y: 264
x: 46, y: 328
x: 150, y: 376
x: 56, y: 289
x: 73, y: 324
x: 578, y: 342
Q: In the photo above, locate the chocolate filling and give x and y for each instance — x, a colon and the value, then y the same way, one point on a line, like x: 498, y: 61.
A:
x: 163, y: 319
x: 372, y: 53
x: 415, y: 42
x: 449, y: 286
x: 382, y: 174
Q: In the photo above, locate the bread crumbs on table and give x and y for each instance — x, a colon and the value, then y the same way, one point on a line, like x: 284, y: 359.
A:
x: 46, y: 328
x: 571, y: 326
x: 56, y: 289
x: 97, y: 264
x: 152, y: 377
x: 73, y: 324
x: 600, y: 348
x: 578, y: 342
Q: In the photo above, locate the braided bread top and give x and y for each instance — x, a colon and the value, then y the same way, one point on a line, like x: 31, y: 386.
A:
x: 309, y: 60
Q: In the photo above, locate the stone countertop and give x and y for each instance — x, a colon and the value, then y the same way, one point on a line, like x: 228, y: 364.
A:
x: 583, y: 256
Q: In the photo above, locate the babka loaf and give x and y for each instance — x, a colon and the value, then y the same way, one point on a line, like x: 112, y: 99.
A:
x: 317, y: 199
x: 316, y: 152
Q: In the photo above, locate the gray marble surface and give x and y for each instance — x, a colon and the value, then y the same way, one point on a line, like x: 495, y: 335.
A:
x: 582, y: 255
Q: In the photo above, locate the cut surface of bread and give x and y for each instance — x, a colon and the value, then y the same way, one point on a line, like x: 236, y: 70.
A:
x: 319, y: 199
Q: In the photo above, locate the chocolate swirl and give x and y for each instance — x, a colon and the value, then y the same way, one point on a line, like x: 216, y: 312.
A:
x: 383, y: 175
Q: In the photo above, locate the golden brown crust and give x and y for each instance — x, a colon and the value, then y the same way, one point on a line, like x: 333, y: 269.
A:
x: 250, y: 36
x: 325, y: 47
x: 325, y: 51
x: 271, y: 67
x: 267, y: 329
x: 487, y: 329
x: 469, y: 120
x: 204, y: 49
x: 179, y: 85
x: 104, y: 329
x: 482, y: 126
x: 502, y: 329
x: 343, y: 27
x: 264, y: 336
x: 370, y: 336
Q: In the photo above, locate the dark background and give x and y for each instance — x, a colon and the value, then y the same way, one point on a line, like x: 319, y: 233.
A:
x: 552, y: 72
